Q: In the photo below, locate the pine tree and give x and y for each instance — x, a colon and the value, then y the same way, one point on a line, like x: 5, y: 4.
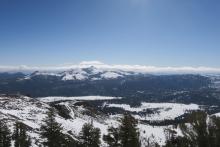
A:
x: 90, y: 136
x: 51, y: 131
x: 175, y: 141
x: 129, y: 135
x: 170, y: 137
x: 200, y: 131
x: 112, y: 138
x: 214, y: 131
x: 20, y: 135
x: 197, y: 134
x: 5, y: 135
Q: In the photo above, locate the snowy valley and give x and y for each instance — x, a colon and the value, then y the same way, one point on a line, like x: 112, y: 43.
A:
x: 73, y: 112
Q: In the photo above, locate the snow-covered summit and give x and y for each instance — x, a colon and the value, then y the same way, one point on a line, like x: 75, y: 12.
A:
x: 88, y: 73
x: 99, y: 71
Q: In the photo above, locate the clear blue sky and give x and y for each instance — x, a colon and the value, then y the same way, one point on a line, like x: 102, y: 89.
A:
x: 146, y: 32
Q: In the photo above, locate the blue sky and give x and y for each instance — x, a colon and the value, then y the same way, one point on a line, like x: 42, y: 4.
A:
x: 145, y: 32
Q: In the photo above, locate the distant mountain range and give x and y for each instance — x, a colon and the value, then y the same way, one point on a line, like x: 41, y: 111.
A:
x: 101, y: 95
x: 90, y: 73
x: 135, y: 86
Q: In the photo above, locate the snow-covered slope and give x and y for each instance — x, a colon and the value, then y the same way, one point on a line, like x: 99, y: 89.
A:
x: 26, y: 110
x: 162, y: 111
x: 76, y: 74
x: 84, y: 98
x: 32, y: 111
x: 41, y: 73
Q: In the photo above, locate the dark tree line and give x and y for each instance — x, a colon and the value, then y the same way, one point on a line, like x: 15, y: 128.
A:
x: 5, y: 135
x: 19, y: 136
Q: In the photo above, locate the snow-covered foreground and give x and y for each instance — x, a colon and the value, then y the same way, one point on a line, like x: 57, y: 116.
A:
x: 32, y: 112
x: 83, y: 98
x: 26, y: 110
x: 163, y: 111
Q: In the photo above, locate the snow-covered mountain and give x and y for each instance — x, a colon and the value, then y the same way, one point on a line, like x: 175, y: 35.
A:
x: 135, y: 87
x: 78, y: 111
x: 95, y: 70
x: 89, y: 73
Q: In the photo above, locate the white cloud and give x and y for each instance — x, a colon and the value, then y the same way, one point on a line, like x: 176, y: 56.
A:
x: 91, y: 63
x: 100, y: 65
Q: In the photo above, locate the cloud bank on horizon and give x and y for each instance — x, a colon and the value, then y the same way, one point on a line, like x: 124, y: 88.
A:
x: 100, y: 65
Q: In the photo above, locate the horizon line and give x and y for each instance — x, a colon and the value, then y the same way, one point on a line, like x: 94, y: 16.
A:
x: 101, y: 65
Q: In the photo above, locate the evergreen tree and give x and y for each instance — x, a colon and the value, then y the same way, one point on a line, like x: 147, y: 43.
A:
x: 51, y: 130
x: 197, y: 134
x: 20, y: 135
x: 112, y: 138
x: 90, y: 136
x: 214, y: 132
x: 200, y: 131
x: 172, y: 140
x: 129, y: 135
x: 5, y: 135
x: 170, y: 137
